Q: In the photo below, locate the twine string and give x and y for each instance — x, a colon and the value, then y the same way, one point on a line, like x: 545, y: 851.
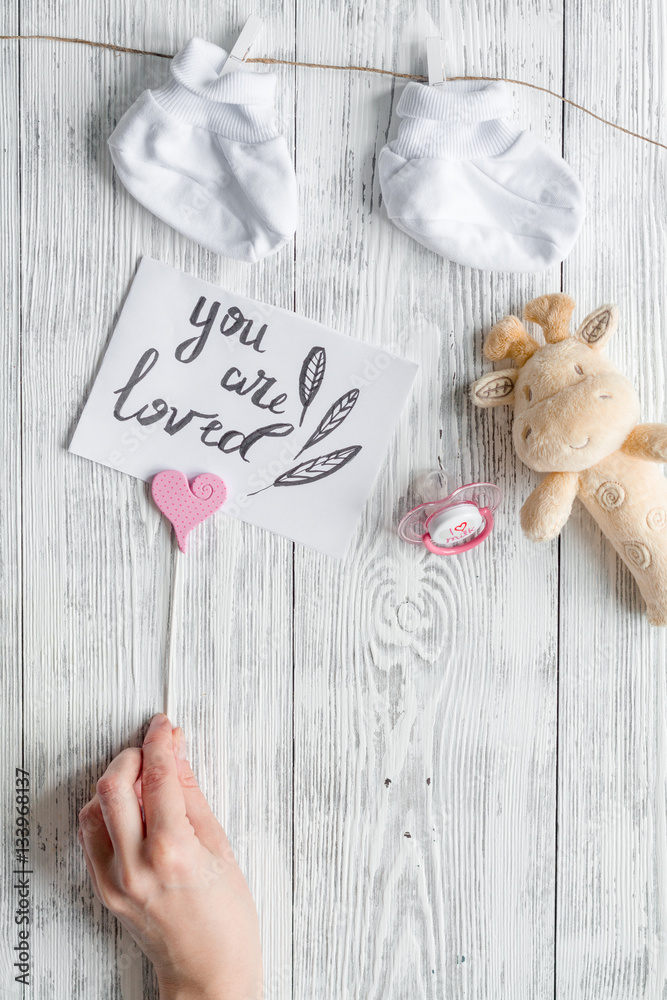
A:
x: 347, y: 69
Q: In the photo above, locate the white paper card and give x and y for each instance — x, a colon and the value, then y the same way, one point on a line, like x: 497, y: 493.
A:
x: 292, y: 415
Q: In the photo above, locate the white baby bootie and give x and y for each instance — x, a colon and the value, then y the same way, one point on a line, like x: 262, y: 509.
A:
x: 465, y: 182
x: 204, y: 154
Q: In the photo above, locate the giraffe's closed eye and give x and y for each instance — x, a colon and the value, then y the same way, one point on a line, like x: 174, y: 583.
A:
x: 529, y: 394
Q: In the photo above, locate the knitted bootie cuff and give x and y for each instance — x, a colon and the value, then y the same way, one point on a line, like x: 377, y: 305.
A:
x: 456, y: 101
x: 460, y: 119
x: 238, y: 105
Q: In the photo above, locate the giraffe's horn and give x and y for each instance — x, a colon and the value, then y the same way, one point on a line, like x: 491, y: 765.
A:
x: 552, y: 313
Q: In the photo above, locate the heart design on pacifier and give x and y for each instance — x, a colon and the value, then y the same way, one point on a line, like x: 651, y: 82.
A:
x: 186, y: 504
x: 461, y: 527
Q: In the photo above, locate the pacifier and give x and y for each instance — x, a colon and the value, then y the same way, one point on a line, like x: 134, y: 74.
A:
x: 450, y: 524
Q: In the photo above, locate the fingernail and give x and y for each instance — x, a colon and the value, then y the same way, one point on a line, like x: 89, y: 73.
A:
x: 158, y: 721
x: 178, y: 743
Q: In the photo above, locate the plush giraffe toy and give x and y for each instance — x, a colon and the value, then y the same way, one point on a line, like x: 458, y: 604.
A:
x: 576, y: 418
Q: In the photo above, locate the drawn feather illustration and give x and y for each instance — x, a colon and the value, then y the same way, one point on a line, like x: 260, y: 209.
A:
x: 333, y: 418
x: 314, y: 469
x: 318, y: 468
x: 310, y: 379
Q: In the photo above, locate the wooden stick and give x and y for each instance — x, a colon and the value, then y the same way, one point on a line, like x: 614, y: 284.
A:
x: 174, y: 615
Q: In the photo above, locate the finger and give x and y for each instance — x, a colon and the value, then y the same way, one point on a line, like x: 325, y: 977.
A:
x: 164, y: 806
x: 175, y: 741
x: 199, y: 813
x: 95, y: 837
x: 89, y: 865
x: 137, y: 790
x: 178, y: 743
x: 119, y: 804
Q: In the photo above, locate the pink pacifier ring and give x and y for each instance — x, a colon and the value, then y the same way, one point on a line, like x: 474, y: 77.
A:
x: 450, y: 523
x: 466, y: 546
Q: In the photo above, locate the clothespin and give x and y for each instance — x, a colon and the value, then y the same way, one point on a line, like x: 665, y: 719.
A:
x: 241, y: 49
x: 435, y: 60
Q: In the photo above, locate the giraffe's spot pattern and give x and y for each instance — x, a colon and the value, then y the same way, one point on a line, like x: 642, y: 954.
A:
x: 657, y: 518
x: 637, y: 554
x: 610, y: 495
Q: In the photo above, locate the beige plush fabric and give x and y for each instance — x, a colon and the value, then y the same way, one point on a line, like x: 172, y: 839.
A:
x: 575, y: 418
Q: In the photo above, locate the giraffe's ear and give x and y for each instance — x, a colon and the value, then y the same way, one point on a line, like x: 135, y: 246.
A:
x: 496, y: 388
x: 598, y: 327
x: 509, y: 339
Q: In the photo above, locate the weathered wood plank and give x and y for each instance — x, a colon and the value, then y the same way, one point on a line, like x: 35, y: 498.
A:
x: 10, y: 507
x: 612, y: 842
x: 98, y: 556
x: 406, y: 669
x: 424, y: 689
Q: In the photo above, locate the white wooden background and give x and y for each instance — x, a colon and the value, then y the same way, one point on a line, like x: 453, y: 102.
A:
x: 444, y: 778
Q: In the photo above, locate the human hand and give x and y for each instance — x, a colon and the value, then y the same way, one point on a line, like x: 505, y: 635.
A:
x: 169, y: 875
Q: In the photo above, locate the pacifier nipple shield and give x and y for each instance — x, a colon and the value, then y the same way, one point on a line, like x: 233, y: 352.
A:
x: 450, y: 524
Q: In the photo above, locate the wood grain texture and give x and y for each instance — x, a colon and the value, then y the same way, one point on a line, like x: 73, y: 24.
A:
x: 443, y: 779
x: 98, y: 556
x: 10, y: 471
x: 612, y: 841
x: 425, y: 690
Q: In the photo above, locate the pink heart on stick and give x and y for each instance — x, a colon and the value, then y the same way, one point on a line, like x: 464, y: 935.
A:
x: 187, y: 504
